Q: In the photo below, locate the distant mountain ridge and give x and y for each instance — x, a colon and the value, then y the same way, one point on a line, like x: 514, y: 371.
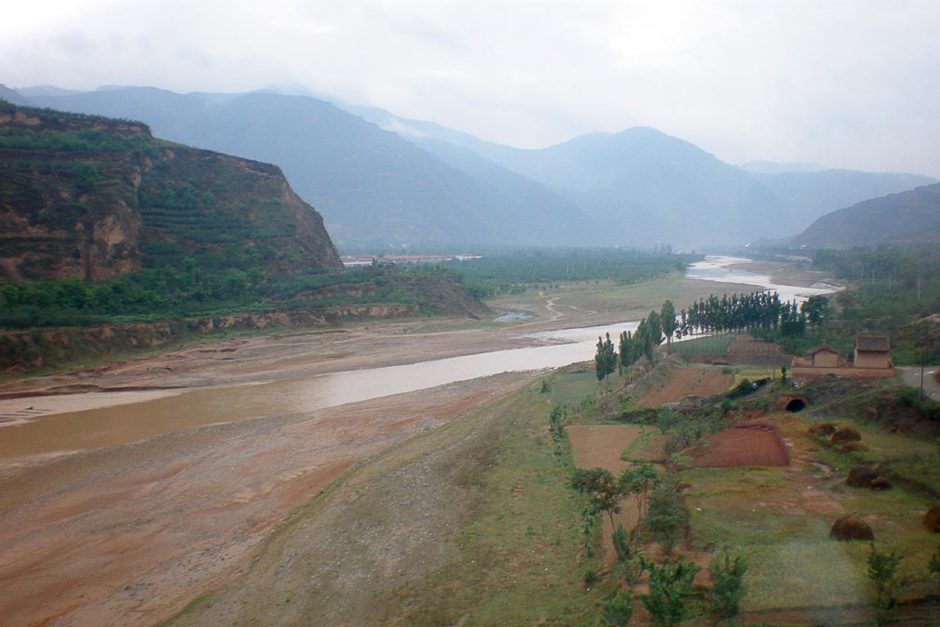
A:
x: 906, y: 217
x: 370, y: 184
x: 383, y: 179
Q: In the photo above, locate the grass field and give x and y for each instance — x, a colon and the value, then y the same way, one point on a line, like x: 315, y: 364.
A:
x: 519, y: 555
x: 780, y: 519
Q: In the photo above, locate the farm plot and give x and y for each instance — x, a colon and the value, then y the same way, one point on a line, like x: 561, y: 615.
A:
x: 686, y: 382
x: 744, y: 445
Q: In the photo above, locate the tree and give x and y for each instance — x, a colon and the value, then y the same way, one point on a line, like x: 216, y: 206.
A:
x: 601, y: 486
x: 605, y: 361
x: 617, y: 609
x: 670, y: 585
x: 883, y: 572
x: 637, y: 481
x: 814, y: 308
x: 667, y: 515
x: 656, y: 328
x: 668, y: 317
x: 724, y: 599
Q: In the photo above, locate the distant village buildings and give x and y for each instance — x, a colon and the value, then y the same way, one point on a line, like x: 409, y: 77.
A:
x: 872, y: 350
x: 871, y: 358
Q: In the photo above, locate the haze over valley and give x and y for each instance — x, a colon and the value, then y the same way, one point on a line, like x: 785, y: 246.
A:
x: 469, y: 313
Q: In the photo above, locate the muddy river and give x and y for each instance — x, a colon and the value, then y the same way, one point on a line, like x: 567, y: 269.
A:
x: 31, y: 430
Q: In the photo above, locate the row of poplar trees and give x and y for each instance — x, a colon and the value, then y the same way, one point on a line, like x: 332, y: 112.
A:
x: 649, y: 334
x: 737, y: 312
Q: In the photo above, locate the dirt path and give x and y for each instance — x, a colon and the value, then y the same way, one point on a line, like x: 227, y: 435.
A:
x: 129, y: 535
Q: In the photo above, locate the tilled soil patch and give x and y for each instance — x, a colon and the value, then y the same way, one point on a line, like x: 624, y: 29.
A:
x: 686, y: 382
x: 744, y: 445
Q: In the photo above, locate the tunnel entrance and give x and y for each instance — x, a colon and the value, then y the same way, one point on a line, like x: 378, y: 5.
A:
x: 796, y: 404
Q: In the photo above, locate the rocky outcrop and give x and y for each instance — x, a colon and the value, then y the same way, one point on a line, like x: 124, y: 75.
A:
x: 94, y: 198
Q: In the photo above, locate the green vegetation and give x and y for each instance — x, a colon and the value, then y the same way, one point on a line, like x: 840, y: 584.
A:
x: 893, y: 287
x: 728, y: 590
x: 883, y: 572
x: 191, y: 289
x: 513, y: 271
x: 670, y: 587
x: 518, y: 556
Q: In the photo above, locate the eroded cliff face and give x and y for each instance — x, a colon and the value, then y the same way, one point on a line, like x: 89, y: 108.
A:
x: 93, y: 198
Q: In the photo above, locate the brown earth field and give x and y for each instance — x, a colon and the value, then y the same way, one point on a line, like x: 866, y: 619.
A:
x: 688, y: 382
x: 600, y: 446
x: 743, y: 445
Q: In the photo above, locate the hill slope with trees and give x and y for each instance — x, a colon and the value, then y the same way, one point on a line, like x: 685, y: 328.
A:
x: 907, y: 217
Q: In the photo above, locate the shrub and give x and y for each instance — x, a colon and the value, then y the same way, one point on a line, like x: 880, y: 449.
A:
x: 670, y: 585
x: 724, y: 599
x: 621, y: 542
x: 617, y: 609
x: 667, y: 515
x: 883, y: 572
x: 933, y: 567
x: 590, y: 576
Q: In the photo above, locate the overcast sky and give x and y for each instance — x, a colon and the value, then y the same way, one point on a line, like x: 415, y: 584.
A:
x: 845, y: 84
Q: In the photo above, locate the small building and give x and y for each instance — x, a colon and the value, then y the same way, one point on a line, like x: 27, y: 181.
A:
x: 872, y: 350
x: 826, y: 356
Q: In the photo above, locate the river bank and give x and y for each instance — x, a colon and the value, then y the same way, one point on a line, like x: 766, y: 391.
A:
x: 128, y: 532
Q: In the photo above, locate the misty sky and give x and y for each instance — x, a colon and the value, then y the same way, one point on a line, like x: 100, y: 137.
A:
x: 844, y: 84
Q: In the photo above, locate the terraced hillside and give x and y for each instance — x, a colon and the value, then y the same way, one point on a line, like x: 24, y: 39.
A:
x: 94, y: 198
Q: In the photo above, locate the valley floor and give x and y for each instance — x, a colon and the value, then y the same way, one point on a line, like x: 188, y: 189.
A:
x: 336, y: 509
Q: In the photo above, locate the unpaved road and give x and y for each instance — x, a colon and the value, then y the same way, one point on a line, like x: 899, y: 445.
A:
x: 911, y: 376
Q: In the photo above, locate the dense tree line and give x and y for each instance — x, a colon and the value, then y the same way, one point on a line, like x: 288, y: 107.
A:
x: 757, y: 311
x: 502, y: 271
x: 192, y: 288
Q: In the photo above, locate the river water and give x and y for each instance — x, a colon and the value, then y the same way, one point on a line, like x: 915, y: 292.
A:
x: 136, y: 420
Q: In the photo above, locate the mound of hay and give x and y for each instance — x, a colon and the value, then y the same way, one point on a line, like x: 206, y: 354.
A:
x: 862, y: 476
x: 880, y: 483
x: 843, y: 435
x: 853, y: 447
x: 823, y: 429
x: 932, y: 518
x: 851, y: 527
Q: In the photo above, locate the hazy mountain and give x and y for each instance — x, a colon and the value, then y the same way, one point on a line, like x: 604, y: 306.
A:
x: 809, y: 195
x: 371, y: 185
x: 45, y: 90
x: 911, y: 216
x: 12, y: 96
x: 381, y: 178
x: 773, y: 167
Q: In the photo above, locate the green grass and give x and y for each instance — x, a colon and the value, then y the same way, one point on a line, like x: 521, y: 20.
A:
x: 711, y: 345
x: 519, y: 557
x: 648, y: 447
x: 762, y: 514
